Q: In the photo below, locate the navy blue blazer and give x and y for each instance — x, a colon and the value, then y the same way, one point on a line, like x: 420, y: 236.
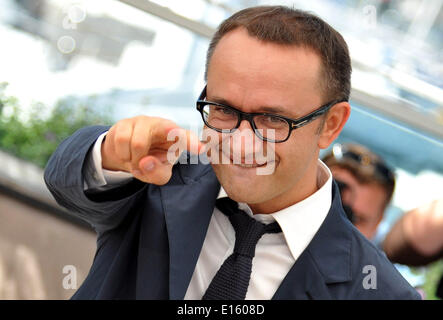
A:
x: 150, y: 237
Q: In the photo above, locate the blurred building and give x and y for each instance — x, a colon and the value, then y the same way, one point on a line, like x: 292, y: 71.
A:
x: 44, y: 254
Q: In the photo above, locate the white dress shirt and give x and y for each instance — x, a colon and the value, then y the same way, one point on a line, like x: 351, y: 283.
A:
x: 275, y: 253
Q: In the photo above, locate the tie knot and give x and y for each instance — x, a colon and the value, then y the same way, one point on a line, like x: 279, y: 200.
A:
x: 247, y: 230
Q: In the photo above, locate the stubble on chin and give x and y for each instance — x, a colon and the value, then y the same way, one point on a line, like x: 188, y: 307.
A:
x: 241, y: 189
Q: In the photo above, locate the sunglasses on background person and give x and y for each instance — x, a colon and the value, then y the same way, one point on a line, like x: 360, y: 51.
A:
x: 342, y: 153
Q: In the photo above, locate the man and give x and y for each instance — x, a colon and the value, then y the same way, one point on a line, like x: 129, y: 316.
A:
x: 366, y: 184
x: 170, y: 232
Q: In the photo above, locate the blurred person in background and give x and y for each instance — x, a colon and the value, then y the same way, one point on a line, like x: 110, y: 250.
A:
x: 416, y: 239
x: 366, y: 184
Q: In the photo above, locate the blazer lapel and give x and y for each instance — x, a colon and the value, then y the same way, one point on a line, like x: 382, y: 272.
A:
x: 303, y: 282
x: 326, y: 260
x: 188, y: 204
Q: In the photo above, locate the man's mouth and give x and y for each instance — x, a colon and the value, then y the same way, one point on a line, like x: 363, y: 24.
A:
x: 260, y: 165
x: 249, y: 162
x: 243, y: 165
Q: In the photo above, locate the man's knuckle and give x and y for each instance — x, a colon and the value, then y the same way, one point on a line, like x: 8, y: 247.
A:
x: 122, y: 156
x: 121, y: 138
x: 140, y: 144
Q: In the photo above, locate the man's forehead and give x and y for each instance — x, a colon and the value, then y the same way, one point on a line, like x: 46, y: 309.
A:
x: 270, y: 77
x: 257, y: 57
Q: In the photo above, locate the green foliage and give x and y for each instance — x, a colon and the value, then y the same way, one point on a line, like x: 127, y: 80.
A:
x: 433, y: 274
x: 34, y: 136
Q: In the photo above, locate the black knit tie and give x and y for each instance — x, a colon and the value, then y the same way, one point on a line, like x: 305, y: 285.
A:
x: 232, y: 279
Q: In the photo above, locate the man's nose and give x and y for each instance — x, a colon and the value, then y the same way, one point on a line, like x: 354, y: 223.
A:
x: 245, y: 132
x: 245, y: 141
x: 245, y: 125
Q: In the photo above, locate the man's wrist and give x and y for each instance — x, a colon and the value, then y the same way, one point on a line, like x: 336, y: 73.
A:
x: 96, y: 176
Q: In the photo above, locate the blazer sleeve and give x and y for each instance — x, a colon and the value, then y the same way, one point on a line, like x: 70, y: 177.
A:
x: 64, y: 177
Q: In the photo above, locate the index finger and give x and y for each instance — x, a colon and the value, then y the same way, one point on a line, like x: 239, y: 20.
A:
x: 160, y: 130
x: 187, y: 140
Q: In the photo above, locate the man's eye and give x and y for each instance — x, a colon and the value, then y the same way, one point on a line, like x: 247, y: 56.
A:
x: 224, y: 110
x: 274, y: 119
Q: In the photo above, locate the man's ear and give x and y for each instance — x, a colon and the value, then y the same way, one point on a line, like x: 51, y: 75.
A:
x: 333, y: 124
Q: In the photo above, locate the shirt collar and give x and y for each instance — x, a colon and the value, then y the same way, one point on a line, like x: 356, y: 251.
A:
x: 300, y: 221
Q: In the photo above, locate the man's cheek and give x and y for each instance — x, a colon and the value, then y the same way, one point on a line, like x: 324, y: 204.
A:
x: 268, y: 169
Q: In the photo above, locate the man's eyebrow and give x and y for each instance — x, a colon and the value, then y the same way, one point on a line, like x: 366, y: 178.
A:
x: 275, y: 109
x: 265, y: 109
x: 221, y: 101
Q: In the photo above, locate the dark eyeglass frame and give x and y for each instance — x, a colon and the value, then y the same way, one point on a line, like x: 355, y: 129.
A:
x: 340, y: 153
x: 292, y: 123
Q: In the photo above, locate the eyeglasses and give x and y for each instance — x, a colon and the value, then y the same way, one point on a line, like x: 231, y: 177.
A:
x: 268, y: 127
x: 342, y: 153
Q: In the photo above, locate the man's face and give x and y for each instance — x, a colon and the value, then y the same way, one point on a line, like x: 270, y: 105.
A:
x: 254, y: 76
x: 367, y: 201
